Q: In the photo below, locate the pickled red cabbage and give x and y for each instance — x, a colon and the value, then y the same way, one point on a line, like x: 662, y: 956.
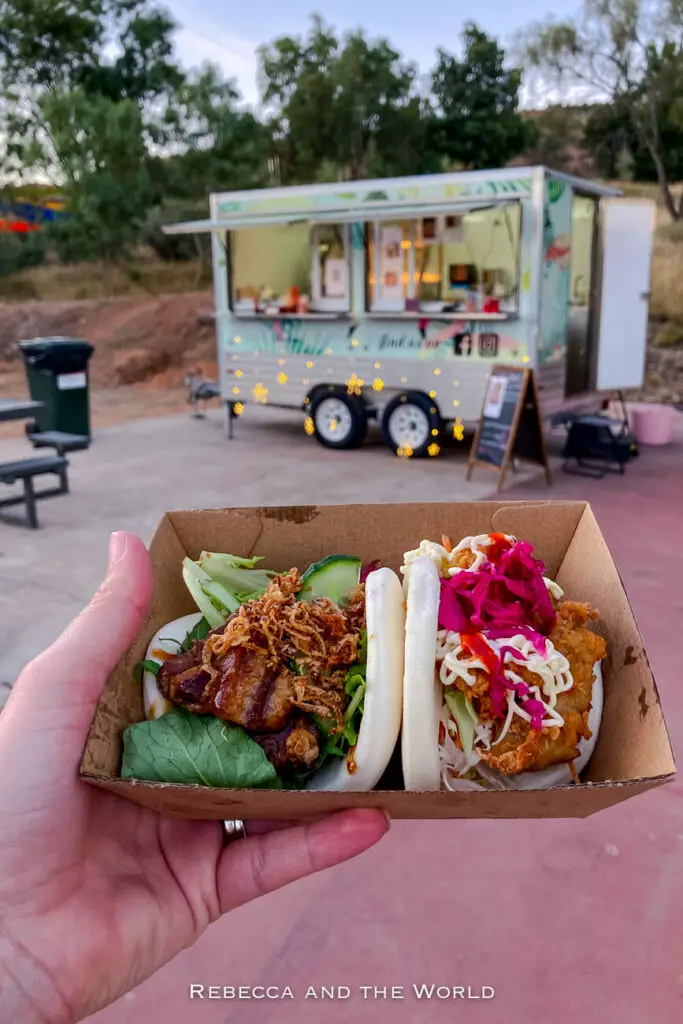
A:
x: 511, y: 595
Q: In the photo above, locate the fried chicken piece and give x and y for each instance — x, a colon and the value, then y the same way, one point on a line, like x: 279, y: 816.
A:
x: 582, y: 648
x: 479, y: 688
x: 517, y: 752
x: 523, y: 749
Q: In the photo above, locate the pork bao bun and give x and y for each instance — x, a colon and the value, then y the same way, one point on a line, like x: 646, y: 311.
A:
x: 380, y: 724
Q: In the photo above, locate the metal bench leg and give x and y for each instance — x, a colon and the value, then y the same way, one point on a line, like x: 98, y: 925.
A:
x: 64, y: 480
x: 229, y: 421
x: 31, y: 510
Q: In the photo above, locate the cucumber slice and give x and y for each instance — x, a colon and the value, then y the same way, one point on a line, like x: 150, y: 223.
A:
x: 336, y: 577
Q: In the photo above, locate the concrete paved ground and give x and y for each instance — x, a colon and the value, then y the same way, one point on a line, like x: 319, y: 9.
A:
x: 568, y: 921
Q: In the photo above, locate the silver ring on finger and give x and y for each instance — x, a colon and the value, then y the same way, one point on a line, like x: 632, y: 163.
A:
x: 233, y: 830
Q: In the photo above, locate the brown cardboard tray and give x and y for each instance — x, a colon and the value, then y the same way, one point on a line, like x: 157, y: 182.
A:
x: 633, y: 752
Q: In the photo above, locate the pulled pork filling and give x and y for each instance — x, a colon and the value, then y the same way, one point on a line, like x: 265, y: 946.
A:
x: 275, y: 664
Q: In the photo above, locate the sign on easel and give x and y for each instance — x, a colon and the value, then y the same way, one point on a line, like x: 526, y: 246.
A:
x: 509, y: 426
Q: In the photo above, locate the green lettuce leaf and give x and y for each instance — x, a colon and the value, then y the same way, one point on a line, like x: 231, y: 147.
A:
x: 148, y: 666
x: 339, y: 744
x: 198, y: 632
x: 220, y: 583
x: 238, y: 575
x: 191, y: 749
x: 214, y: 601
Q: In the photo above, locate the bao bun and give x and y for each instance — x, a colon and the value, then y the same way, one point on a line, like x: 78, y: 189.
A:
x: 423, y: 701
x: 381, y: 722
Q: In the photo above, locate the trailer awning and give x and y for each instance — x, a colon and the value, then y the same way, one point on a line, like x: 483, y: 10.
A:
x: 365, y: 214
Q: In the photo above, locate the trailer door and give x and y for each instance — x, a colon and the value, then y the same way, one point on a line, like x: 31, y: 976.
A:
x: 626, y: 236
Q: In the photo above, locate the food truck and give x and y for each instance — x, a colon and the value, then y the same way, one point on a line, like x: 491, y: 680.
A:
x: 391, y: 299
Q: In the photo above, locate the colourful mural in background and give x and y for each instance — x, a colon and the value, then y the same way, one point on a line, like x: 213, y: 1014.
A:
x: 557, y: 223
x: 22, y: 218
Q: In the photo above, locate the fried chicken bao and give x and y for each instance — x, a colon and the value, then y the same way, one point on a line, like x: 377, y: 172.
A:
x: 518, y: 667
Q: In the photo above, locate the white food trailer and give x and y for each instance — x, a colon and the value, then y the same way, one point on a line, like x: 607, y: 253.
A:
x: 391, y: 299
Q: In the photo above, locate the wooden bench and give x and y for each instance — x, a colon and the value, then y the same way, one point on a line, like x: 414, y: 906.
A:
x: 25, y: 470
x: 57, y: 439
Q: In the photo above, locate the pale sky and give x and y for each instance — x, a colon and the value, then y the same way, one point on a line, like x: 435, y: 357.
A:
x: 228, y: 33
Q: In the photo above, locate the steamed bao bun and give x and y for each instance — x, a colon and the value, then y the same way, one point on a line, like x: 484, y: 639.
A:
x: 423, y: 701
x: 381, y: 722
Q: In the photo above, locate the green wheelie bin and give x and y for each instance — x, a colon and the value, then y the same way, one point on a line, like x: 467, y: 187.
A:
x: 57, y: 373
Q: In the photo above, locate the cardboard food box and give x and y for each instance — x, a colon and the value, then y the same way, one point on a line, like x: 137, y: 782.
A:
x: 633, y: 753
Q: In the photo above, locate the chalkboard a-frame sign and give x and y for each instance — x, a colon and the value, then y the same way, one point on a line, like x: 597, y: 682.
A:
x: 510, y: 424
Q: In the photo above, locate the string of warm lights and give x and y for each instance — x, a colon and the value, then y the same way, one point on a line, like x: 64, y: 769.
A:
x: 354, y: 386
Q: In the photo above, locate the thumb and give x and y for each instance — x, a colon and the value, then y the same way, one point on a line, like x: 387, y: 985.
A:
x: 74, y: 669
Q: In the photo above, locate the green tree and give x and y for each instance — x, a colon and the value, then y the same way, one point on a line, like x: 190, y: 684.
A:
x: 100, y: 149
x: 381, y: 122
x: 296, y: 83
x: 50, y: 46
x: 610, y: 138
x: 145, y: 69
x: 217, y: 146
x: 342, y: 109
x: 627, y: 54
x: 477, y: 99
x: 220, y: 145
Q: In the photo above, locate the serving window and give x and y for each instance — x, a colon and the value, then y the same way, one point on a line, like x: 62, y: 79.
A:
x: 296, y: 269
x: 466, y: 262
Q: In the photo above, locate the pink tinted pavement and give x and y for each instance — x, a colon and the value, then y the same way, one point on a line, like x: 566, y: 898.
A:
x: 566, y: 920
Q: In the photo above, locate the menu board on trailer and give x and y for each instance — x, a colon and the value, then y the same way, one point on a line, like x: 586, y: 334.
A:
x: 510, y: 424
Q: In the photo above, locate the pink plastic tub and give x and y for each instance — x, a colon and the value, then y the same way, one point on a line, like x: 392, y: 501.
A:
x: 653, y: 424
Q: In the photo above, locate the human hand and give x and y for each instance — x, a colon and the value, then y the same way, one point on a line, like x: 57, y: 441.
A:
x: 97, y: 893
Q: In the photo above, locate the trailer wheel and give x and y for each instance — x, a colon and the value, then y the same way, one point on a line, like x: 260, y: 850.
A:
x: 340, y: 420
x: 411, y: 423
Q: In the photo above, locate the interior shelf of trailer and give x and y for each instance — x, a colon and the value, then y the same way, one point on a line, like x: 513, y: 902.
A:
x: 311, y: 315
x: 464, y: 315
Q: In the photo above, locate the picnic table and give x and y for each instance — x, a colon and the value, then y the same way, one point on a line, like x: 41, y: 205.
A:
x: 18, y: 409
x: 24, y: 471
